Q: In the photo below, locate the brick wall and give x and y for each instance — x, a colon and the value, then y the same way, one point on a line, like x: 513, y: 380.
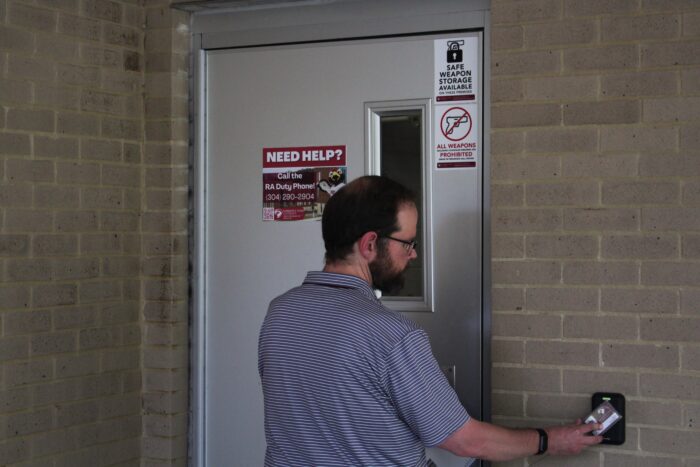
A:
x: 92, y: 233
x: 596, y: 219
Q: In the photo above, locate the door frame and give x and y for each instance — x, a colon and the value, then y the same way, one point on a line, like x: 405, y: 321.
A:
x: 223, y: 26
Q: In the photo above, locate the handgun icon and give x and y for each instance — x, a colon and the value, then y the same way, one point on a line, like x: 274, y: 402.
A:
x: 453, y: 122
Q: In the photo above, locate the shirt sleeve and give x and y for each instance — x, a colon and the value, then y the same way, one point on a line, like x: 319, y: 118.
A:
x: 420, y: 391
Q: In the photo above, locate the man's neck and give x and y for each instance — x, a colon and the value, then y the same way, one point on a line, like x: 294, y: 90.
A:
x: 350, y: 269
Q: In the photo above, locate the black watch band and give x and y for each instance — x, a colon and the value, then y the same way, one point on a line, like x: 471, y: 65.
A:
x: 544, y: 441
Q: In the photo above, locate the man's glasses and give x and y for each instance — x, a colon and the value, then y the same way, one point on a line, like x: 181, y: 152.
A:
x: 408, y: 246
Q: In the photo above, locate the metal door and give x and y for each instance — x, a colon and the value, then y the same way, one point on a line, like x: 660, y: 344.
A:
x: 320, y: 94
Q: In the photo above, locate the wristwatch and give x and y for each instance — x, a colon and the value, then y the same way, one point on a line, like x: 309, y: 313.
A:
x: 544, y: 441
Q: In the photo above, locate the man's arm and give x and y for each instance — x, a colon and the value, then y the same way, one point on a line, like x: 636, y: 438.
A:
x: 495, y: 443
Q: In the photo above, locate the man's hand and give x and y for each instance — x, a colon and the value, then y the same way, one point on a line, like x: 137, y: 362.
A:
x: 571, y: 439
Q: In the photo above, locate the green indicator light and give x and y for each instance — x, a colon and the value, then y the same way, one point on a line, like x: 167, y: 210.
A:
x: 606, y: 398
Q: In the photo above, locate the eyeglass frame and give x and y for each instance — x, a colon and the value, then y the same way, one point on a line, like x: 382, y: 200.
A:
x: 409, y: 246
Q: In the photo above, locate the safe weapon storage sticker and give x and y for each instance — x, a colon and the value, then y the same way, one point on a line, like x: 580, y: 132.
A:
x: 456, y: 108
x: 299, y: 181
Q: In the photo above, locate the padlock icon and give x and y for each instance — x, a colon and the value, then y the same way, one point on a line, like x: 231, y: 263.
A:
x: 454, y: 53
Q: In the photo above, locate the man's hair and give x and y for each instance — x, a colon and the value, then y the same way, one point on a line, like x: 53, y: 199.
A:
x: 367, y: 204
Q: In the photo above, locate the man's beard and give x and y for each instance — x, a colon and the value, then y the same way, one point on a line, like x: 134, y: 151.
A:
x: 385, y: 276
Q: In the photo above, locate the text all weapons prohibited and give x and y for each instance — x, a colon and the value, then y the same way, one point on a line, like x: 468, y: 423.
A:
x: 456, y: 123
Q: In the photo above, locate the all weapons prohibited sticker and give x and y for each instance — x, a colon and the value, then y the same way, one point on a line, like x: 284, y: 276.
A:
x: 299, y: 181
x: 456, y: 136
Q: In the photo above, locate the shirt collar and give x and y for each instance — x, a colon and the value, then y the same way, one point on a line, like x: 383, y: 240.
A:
x: 331, y: 279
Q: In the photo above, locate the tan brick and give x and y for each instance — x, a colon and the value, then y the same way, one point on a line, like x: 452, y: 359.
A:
x: 22, y: 220
x: 101, y: 102
x: 508, y: 299
x: 642, y: 460
x: 661, y: 246
x: 14, y: 400
x: 57, y: 97
x: 100, y: 56
x: 121, y: 128
x: 15, y: 450
x: 16, y: 40
x: 22, y: 373
x: 120, y: 35
x: 506, y: 90
x: 54, y: 295
x: 507, y: 246
x: 132, y: 153
x: 561, y: 299
x: 132, y: 61
x: 102, y: 198
x: 53, y: 343
x: 675, y: 442
x: 526, y: 379
x: 29, y: 270
x: 638, y: 139
x: 507, y: 351
x: 30, y: 170
x: 103, y: 9
x: 671, y: 109
x: 524, y: 115
x: 603, y: 112
x: 512, y: 168
x: 670, y: 273
x: 120, y: 359
x: 562, y: 194
x: 506, y: 195
x: 670, y: 329
x: 165, y: 312
x: 14, y: 91
x: 515, y: 12
x: 49, y: 146
x: 636, y: 28
x: 599, y: 165
x: 599, y: 7
x: 85, y: 28
x: 14, y: 245
x: 690, y: 358
x: 527, y: 325
x: 52, y: 196
x: 653, y: 413
x: 162, y: 222
x: 76, y: 268
x: 561, y: 353
x: 166, y: 154
x: 114, y: 175
x: 600, y: 327
x: 641, y: 356
x: 29, y: 17
x: 674, y: 53
x: 75, y: 317
x: 525, y: 63
x: 30, y: 68
x: 14, y: 296
x: 15, y: 195
x: 526, y: 272
x: 559, y: 87
x: 690, y: 246
x: 561, y: 246
x: 26, y: 322
x: 14, y: 348
x: 601, y: 219
x: 55, y: 245
x: 526, y: 220
x: 639, y: 300
x: 690, y: 81
x: 639, y: 84
x: 76, y: 221
x: 77, y: 124
x: 600, y: 273
x: 690, y: 139
x: 614, y: 57
x: 506, y: 37
x: 561, y: 140
x: 100, y: 291
x: 29, y: 422
x: 690, y: 301
x: 691, y: 24
x: 57, y: 48
x: 101, y: 243
x: 691, y: 193
x: 571, y: 32
x: 93, y: 149
x: 14, y: 143
x: 588, y: 381
x: 53, y: 442
x: 76, y: 413
x: 557, y: 406
x: 670, y: 218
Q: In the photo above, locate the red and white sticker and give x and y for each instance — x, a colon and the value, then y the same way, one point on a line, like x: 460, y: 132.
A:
x: 456, y: 136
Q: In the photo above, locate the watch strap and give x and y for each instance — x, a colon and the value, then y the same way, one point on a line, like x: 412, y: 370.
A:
x: 544, y: 441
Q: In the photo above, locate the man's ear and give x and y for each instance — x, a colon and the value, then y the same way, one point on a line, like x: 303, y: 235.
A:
x: 367, y: 245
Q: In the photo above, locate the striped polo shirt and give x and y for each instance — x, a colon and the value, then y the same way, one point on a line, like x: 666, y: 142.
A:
x: 348, y: 382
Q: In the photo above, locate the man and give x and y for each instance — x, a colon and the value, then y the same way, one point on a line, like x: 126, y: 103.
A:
x: 348, y: 382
